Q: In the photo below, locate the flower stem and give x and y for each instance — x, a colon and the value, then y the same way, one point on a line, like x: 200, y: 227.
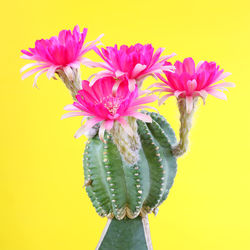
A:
x: 71, y: 81
x: 185, y: 126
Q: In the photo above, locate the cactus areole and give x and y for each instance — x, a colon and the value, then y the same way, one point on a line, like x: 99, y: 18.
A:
x: 119, y: 190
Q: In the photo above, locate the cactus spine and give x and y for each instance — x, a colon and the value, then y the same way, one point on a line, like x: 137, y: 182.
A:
x: 117, y: 188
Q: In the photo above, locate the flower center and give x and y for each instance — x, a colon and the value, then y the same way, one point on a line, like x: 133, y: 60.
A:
x: 111, y: 103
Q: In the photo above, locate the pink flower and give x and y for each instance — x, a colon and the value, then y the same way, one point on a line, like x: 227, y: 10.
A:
x: 100, y: 105
x: 133, y: 63
x: 58, y: 53
x: 189, y: 81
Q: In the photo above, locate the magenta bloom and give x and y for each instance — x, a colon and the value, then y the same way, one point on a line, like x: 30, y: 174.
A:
x: 189, y: 81
x: 63, y: 52
x: 101, y: 105
x: 132, y: 63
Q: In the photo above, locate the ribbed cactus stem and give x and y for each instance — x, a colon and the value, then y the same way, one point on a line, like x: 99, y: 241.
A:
x: 121, y: 190
x: 125, y: 193
x: 126, y: 234
x: 71, y: 79
x: 186, y: 119
x: 127, y: 145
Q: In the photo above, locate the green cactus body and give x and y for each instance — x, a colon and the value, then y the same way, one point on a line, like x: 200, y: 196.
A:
x: 118, y: 189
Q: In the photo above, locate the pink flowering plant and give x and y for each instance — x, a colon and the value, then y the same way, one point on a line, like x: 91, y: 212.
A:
x: 133, y: 63
x: 101, y: 105
x: 130, y: 158
x: 60, y: 54
x: 189, y: 81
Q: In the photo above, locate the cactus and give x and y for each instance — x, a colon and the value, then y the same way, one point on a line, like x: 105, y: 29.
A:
x: 130, y: 165
x: 118, y: 189
x: 125, y: 234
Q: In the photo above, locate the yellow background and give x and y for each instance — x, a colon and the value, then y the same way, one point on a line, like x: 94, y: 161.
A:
x: 43, y: 205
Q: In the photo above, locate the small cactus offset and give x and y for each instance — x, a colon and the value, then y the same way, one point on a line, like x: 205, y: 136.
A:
x: 117, y: 188
x: 130, y: 156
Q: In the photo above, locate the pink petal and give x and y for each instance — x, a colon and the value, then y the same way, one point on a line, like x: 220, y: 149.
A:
x: 138, y: 69
x: 73, y: 114
x: 102, y: 131
x: 189, y: 65
x: 164, y: 58
x: 100, y: 75
x: 108, y: 124
x: 26, y: 52
x: 29, y: 65
x: 168, y: 68
x: 143, y: 92
x: 71, y: 107
x: 145, y: 99
x: 80, y: 132
x: 51, y: 71
x: 89, y: 124
x: 191, y: 85
x: 156, y: 56
x: 87, y: 62
x: 158, y: 90
x: 157, y: 84
x: 90, y: 45
x: 37, y: 75
x: 115, y: 87
x: 69, y: 72
x: 223, y: 84
x: 164, y: 98
x: 75, y: 65
x: 198, y: 65
x: 217, y: 94
x: 222, y: 76
x: 31, y: 72
x: 27, y: 57
x: 131, y: 84
x: 161, y: 78
x: 92, y: 64
x: 99, y: 53
x: 203, y: 94
x: 143, y: 107
x: 189, y: 104
x: 119, y: 73
x: 140, y: 116
x: 156, y: 71
x: 177, y: 93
